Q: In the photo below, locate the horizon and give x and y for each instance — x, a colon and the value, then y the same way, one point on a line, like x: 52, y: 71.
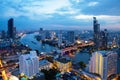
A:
x: 66, y: 15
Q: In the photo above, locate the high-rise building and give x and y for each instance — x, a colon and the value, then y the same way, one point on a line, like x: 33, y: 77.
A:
x: 14, y: 32
x: 47, y: 34
x: 29, y: 64
x: 11, y: 28
x: 119, y: 42
x: 3, y: 34
x: 104, y: 39
x: 118, y: 61
x: 52, y: 35
x: 96, y: 28
x: 103, y: 63
x: 70, y: 37
x: 60, y: 38
x: 42, y: 34
x: 41, y: 29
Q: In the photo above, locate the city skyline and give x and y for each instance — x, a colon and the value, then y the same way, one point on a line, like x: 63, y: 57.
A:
x: 63, y: 14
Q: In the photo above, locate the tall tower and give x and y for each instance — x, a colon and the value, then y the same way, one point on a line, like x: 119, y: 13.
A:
x: 42, y: 34
x: 96, y: 28
x: 103, y: 63
x: 29, y: 64
x: 59, y: 38
x: 14, y: 32
x: 104, y: 39
x: 11, y: 28
x: 3, y: 34
x: 71, y: 37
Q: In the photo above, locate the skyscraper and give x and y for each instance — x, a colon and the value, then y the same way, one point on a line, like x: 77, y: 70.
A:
x: 96, y: 28
x: 42, y: 34
x: 52, y: 35
x: 3, y: 34
x: 14, y: 32
x: 70, y: 37
x: 103, y: 63
x: 119, y: 42
x: 59, y: 38
x: 104, y: 39
x: 41, y: 29
x: 29, y: 64
x: 11, y: 28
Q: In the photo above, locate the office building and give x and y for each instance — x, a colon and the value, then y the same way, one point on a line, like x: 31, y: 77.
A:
x: 41, y: 29
x: 3, y: 34
x: 44, y: 64
x: 47, y: 34
x: 60, y: 39
x: 119, y: 42
x: 96, y: 28
x: 62, y: 64
x: 103, y: 63
x: 104, y: 39
x: 70, y: 37
x: 11, y: 28
x: 29, y: 64
x: 14, y: 32
x: 42, y: 34
x: 52, y: 35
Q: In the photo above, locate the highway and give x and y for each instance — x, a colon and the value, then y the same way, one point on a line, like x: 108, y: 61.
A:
x: 85, y: 75
x: 90, y: 43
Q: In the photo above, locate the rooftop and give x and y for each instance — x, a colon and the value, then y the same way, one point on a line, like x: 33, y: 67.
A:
x: 63, y: 60
x: 106, y: 53
x: 43, y: 62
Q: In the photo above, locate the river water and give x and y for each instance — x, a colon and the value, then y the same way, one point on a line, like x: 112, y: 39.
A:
x: 31, y: 42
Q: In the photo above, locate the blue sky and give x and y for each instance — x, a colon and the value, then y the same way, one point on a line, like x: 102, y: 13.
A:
x: 60, y: 14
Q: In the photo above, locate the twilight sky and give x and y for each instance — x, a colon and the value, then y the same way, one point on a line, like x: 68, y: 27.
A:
x: 60, y: 14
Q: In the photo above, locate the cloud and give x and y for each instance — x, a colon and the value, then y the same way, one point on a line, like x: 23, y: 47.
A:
x: 46, y: 7
x: 111, y: 27
x: 77, y: 1
x: 102, y: 7
x: 107, y: 18
x: 82, y: 16
x: 11, y: 12
x: 37, y: 8
x: 61, y: 12
x: 68, y: 27
x: 93, y: 3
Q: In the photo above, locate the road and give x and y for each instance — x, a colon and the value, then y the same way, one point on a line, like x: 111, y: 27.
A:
x: 85, y: 75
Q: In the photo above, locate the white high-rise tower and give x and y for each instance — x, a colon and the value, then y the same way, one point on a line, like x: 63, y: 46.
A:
x: 103, y: 63
x: 29, y: 64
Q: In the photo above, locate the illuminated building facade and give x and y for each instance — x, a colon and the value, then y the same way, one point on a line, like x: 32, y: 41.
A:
x: 62, y: 65
x: 103, y: 63
x: 29, y: 64
x: 44, y: 64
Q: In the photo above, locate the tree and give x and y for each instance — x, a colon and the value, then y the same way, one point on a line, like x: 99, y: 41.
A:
x: 82, y: 64
x: 50, y: 74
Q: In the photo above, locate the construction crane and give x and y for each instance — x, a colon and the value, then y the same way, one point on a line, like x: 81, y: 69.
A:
x: 3, y: 70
